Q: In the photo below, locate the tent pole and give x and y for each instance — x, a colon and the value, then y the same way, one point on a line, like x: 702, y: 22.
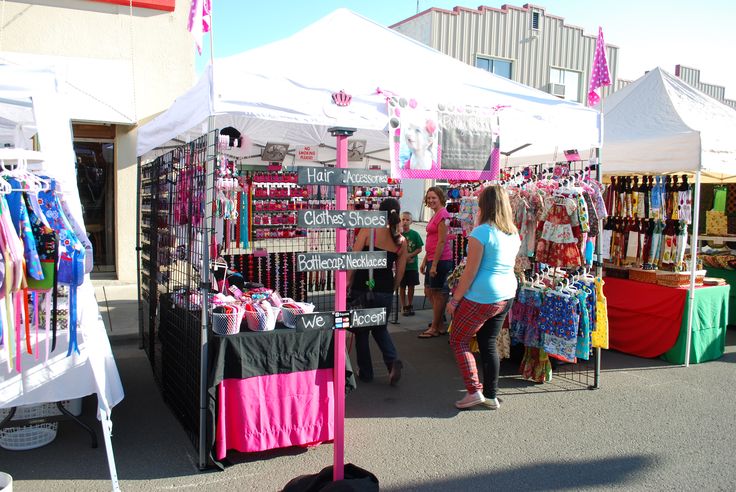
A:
x: 693, y: 266
x: 598, y: 269
x: 598, y: 259
x: 341, y: 288
x: 210, y: 165
x: 209, y: 169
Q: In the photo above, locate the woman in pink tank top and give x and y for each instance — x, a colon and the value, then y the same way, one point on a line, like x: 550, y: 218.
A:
x: 437, y: 263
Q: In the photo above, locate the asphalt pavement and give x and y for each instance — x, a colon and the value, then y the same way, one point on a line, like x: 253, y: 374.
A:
x: 649, y: 426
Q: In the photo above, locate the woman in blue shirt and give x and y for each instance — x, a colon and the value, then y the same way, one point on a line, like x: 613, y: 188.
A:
x: 484, y: 295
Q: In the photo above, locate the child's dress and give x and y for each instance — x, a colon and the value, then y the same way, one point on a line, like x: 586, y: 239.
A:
x: 599, y: 336
x: 560, y: 236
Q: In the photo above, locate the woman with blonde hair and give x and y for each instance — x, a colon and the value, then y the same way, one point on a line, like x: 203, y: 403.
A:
x: 483, y: 296
x: 437, y: 262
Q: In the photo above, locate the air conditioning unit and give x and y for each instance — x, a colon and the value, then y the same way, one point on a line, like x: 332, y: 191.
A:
x: 557, y: 89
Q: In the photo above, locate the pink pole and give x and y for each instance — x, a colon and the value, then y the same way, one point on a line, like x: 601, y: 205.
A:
x: 340, y: 304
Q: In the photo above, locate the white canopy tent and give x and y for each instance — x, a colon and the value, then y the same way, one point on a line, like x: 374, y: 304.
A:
x: 29, y: 105
x: 282, y: 92
x: 659, y: 124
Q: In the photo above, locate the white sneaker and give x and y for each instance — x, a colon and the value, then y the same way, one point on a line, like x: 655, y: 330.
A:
x: 492, y: 403
x: 471, y: 400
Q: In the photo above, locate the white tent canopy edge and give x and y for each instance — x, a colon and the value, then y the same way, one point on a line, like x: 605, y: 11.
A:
x: 282, y: 92
x: 659, y: 124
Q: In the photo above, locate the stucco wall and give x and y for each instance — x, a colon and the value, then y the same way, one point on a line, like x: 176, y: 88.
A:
x: 157, y: 42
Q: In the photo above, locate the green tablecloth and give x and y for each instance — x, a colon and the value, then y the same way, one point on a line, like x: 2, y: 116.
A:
x: 709, y: 326
x: 730, y: 277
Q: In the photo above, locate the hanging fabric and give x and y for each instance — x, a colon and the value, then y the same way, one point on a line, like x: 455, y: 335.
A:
x: 71, y: 263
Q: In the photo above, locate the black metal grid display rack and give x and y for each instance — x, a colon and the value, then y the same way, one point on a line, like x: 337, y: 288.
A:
x: 207, y: 223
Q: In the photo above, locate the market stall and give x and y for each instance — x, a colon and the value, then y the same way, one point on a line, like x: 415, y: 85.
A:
x: 276, y: 99
x: 70, y: 357
x: 657, y: 127
x: 650, y: 320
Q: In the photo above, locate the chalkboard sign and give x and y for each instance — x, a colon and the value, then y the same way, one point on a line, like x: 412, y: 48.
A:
x: 359, y: 318
x: 345, y: 219
x: 347, y: 177
x: 358, y: 260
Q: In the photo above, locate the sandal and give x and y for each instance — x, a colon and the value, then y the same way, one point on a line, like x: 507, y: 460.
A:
x: 437, y: 333
x: 428, y: 334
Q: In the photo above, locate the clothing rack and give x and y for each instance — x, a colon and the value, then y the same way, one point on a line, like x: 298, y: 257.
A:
x: 583, y: 374
x: 23, y: 166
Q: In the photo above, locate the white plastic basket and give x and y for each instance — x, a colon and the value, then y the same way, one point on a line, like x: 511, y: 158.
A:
x: 35, y: 435
x: 289, y: 314
x: 261, y: 321
x: 6, y: 482
x: 227, y: 323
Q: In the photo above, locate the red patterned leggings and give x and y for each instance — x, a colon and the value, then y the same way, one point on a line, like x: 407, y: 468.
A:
x: 468, y: 319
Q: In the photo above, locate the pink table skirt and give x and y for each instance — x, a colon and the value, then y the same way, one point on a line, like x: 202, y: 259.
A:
x: 274, y: 411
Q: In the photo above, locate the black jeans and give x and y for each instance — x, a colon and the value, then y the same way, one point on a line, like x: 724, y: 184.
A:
x: 488, y: 351
x: 380, y: 335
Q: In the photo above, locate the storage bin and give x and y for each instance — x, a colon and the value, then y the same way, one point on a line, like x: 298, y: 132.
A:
x: 35, y: 435
x: 227, y: 323
x: 260, y: 319
x: 289, y: 312
x: 679, y: 279
x: 641, y: 275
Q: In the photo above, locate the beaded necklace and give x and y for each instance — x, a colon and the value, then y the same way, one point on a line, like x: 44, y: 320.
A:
x: 286, y: 276
x: 268, y: 271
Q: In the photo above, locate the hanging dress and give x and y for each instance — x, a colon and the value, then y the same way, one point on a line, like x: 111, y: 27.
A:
x: 559, y: 318
x: 558, y: 245
x: 599, y: 337
x: 71, y: 262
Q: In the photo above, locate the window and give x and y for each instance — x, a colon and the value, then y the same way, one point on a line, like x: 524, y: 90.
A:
x: 564, y: 84
x: 493, y: 65
x: 535, y: 21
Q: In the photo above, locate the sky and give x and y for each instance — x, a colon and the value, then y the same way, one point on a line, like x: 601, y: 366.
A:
x: 649, y: 33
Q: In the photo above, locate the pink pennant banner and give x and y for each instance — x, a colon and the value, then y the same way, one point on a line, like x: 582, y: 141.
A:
x: 600, y: 76
x: 199, y: 20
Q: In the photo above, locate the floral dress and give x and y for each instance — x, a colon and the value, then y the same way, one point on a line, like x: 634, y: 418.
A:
x: 559, y: 319
x: 559, y: 241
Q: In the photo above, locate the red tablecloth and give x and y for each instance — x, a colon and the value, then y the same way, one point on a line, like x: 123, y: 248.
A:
x: 643, y: 319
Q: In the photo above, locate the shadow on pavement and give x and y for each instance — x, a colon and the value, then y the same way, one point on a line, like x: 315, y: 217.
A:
x: 552, y: 475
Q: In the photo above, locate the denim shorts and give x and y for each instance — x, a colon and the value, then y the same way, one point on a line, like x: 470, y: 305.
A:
x: 410, y: 278
x: 439, y: 281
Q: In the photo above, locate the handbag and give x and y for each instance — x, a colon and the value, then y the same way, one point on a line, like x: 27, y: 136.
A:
x: 360, y: 299
x: 454, y: 277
